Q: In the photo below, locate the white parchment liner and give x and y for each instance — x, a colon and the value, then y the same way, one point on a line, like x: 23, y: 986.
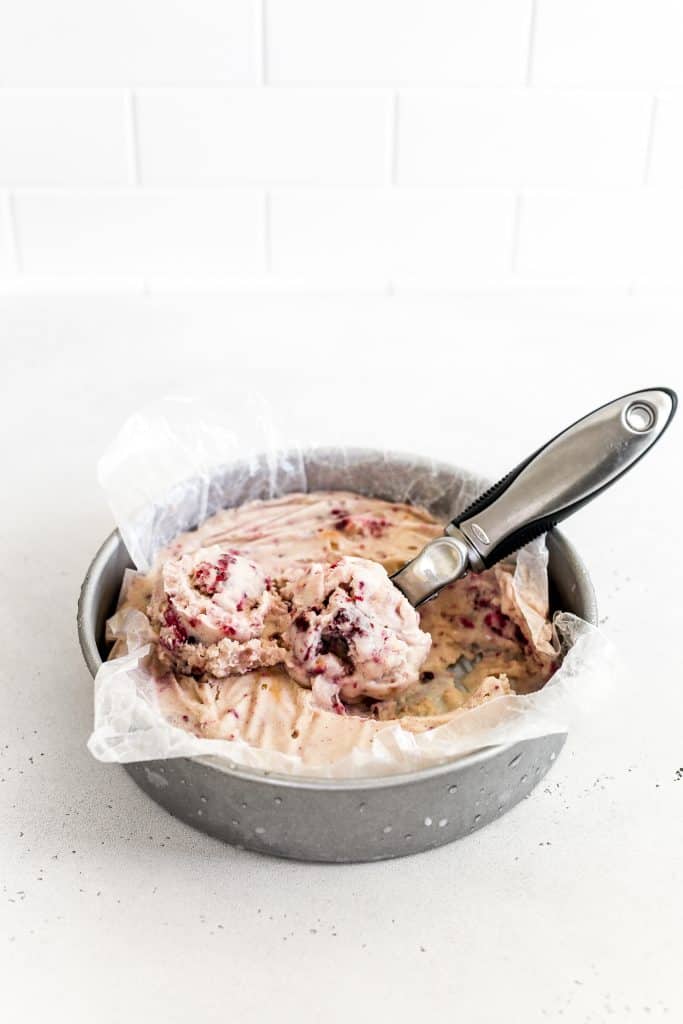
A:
x: 167, y: 470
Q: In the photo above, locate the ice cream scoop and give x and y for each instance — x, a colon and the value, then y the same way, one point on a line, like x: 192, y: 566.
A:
x: 547, y: 487
x: 341, y: 629
x: 210, y: 594
x: 352, y: 635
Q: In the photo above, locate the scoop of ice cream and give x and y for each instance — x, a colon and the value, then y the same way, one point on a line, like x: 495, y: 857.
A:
x: 209, y: 609
x: 352, y: 633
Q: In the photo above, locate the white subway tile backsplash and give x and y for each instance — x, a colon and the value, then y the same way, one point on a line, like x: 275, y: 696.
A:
x: 330, y: 235
x: 141, y: 232
x: 7, y: 266
x: 77, y: 42
x: 608, y: 42
x: 630, y: 236
x: 397, y: 41
x: 666, y: 163
x: 73, y: 284
x: 286, y: 144
x: 659, y: 234
x: 449, y: 239
x: 526, y: 137
x: 63, y: 138
x: 578, y: 236
x: 210, y: 136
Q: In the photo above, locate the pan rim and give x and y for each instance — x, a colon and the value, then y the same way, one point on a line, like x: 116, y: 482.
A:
x: 89, y: 649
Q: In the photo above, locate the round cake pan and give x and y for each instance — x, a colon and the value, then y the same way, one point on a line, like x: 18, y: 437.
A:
x: 356, y: 819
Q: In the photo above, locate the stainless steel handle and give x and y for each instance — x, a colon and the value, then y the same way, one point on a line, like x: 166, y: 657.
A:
x: 570, y: 470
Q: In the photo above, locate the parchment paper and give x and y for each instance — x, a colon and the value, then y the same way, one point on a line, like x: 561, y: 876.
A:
x: 174, y: 464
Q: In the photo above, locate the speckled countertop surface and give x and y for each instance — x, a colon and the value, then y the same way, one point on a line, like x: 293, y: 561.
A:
x: 567, y: 908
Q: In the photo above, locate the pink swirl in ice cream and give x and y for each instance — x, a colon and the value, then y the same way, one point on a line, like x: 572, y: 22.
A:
x: 352, y: 633
x: 211, y: 594
x: 210, y: 607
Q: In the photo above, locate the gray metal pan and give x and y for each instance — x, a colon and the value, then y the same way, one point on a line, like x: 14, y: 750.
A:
x: 343, y: 820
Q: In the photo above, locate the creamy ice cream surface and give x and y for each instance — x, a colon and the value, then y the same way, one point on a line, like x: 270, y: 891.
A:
x: 276, y: 622
x: 209, y: 609
x: 207, y: 595
x: 352, y: 634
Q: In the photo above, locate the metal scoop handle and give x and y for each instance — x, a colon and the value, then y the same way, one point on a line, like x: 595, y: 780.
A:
x: 552, y: 483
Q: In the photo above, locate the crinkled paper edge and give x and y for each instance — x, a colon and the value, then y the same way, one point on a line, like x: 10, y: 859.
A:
x: 164, y: 472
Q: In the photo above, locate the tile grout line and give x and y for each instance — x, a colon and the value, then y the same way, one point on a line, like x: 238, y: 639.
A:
x: 133, y: 139
x: 14, y: 244
x: 262, y: 44
x: 645, y: 181
x: 392, y: 169
x: 647, y: 166
x: 531, y: 44
x: 516, y: 231
x: 393, y: 140
x: 373, y: 85
x: 247, y: 186
x: 267, y: 233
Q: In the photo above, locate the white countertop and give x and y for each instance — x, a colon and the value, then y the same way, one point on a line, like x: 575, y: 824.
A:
x: 569, y: 907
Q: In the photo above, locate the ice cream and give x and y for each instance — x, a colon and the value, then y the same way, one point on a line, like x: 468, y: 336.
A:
x: 341, y: 629
x: 208, y: 595
x: 265, y: 645
x: 209, y: 609
x: 352, y: 633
